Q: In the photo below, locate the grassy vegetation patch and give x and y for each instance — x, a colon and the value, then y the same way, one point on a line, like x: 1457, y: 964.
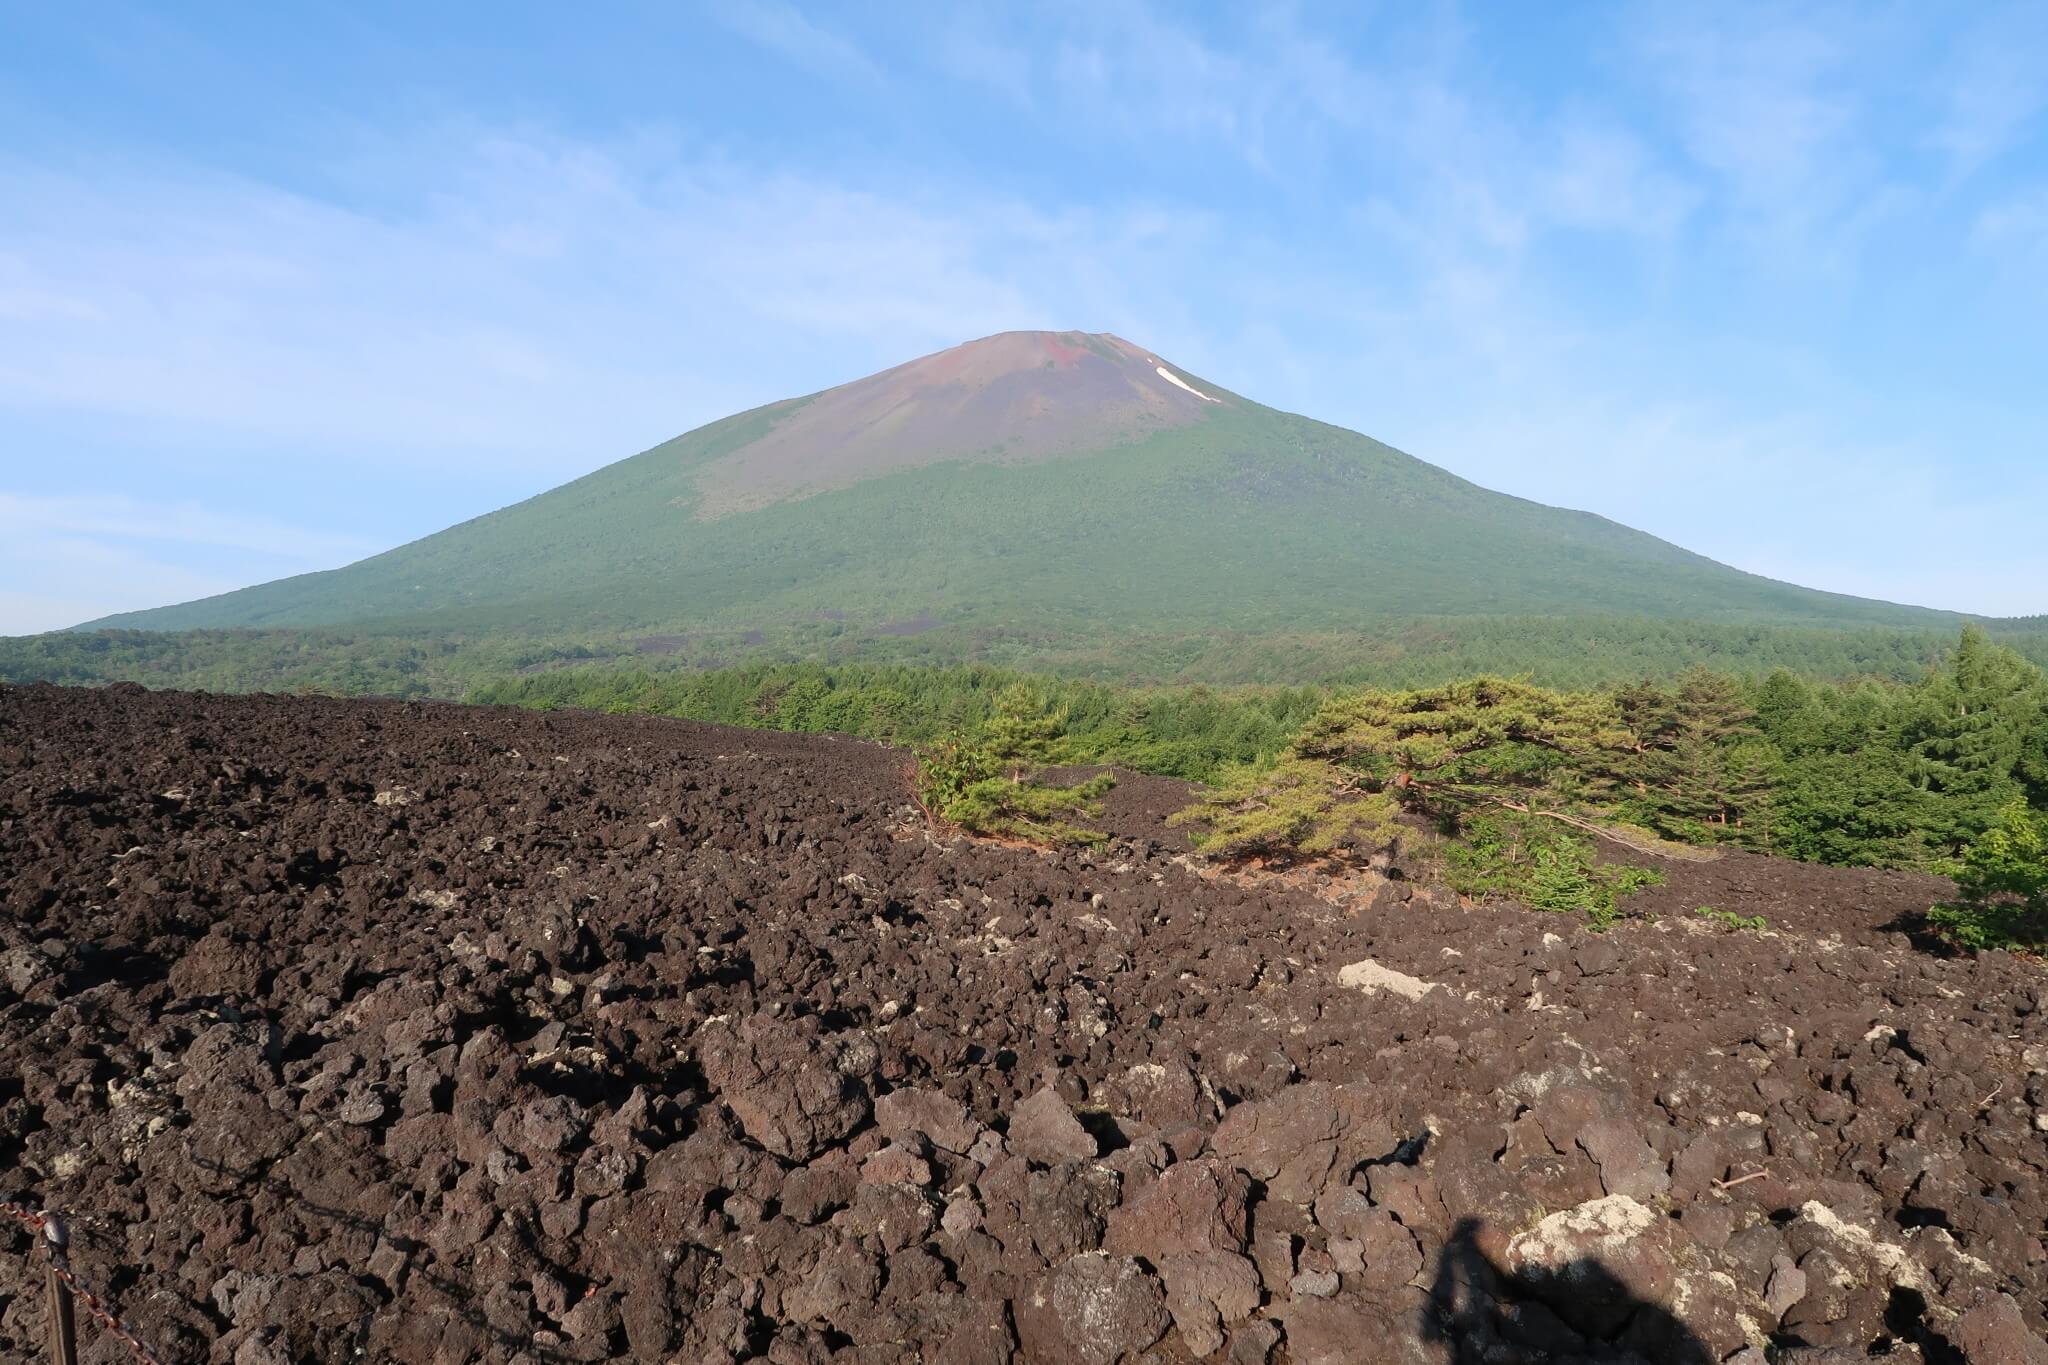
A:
x: 1540, y: 864
x: 1730, y: 919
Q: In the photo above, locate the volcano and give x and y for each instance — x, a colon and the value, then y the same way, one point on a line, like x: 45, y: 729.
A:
x: 1061, y: 484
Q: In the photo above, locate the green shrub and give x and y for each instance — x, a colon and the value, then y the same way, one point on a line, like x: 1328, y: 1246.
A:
x: 1542, y: 864
x: 1753, y: 923
x: 1890, y: 774
x: 985, y: 780
x: 1564, y: 881
x: 2003, y: 885
x: 1293, y: 808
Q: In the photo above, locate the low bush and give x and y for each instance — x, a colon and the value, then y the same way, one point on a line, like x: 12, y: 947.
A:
x: 1294, y: 808
x: 2002, y: 881
x: 986, y: 779
x: 1732, y: 920
x: 1543, y: 865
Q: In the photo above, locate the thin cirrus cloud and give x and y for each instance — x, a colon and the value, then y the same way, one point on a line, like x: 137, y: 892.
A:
x: 69, y: 559
x: 1992, y: 87
x: 1766, y: 103
x: 182, y: 523
x: 783, y: 29
x: 545, y: 309
x: 2020, y: 223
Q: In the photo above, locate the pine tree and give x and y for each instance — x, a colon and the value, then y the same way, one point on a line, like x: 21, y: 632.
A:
x: 1022, y: 731
x: 1442, y: 750
x: 984, y: 780
x: 1786, y: 712
x: 1753, y: 771
x: 1436, y: 753
x: 1298, y: 806
x: 1683, y: 775
x: 2032, y: 767
x: 1968, y: 736
x: 1648, y: 714
x: 1712, y: 721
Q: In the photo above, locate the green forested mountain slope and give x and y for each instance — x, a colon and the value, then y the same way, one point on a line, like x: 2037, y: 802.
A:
x: 1217, y: 515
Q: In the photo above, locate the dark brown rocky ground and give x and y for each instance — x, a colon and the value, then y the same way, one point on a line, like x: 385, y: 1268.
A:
x: 357, y: 1030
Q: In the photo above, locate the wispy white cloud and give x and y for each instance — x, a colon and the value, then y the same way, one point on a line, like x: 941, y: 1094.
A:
x: 967, y: 50
x: 116, y: 516
x: 550, y: 304
x: 30, y: 612
x: 1262, y: 94
x: 1992, y: 86
x: 1399, y: 109
x: 1791, y: 496
x: 2019, y: 223
x: 783, y: 29
x: 69, y: 559
x: 1766, y: 99
x: 51, y: 581
x: 25, y: 298
x: 1599, y: 175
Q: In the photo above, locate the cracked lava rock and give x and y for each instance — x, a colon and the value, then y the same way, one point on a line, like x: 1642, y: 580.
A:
x: 412, y: 1032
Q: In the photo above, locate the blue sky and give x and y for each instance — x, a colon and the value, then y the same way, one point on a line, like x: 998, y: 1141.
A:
x: 284, y: 285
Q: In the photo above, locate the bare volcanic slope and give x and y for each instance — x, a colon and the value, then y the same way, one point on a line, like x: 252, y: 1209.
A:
x: 1068, y: 484
x: 357, y: 1030
x: 1013, y: 397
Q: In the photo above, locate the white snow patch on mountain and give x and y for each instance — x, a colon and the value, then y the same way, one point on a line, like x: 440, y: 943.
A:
x: 1170, y: 377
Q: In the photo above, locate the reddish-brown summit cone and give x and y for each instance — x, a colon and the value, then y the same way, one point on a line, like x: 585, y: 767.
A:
x: 1010, y: 398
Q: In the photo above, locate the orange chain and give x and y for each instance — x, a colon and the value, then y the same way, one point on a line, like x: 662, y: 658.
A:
x: 49, y: 1233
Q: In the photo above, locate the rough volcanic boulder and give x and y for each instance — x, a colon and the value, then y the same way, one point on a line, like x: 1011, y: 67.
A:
x: 1093, y: 1309
x: 1343, y: 1331
x: 1595, y: 1263
x: 1194, y: 1207
x: 1207, y: 1291
x: 794, y: 1089
x: 932, y: 1114
x: 1292, y: 1140
x: 1044, y: 1130
x: 1995, y: 1329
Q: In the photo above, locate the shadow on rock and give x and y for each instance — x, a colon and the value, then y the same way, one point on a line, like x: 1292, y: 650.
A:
x: 1484, y: 1313
x: 291, y: 1329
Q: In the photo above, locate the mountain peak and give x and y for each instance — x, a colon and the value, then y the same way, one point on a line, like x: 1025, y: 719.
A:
x: 1007, y: 352
x: 1011, y: 398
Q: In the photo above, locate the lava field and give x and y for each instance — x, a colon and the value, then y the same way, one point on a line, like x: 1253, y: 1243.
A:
x: 377, y: 1031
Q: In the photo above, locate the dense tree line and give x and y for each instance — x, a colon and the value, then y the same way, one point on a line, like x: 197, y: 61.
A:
x: 1870, y: 773
x: 1874, y: 773
x: 1506, y: 783
x: 366, y: 663
x: 1888, y: 775
x: 1190, y: 732
x: 1416, y: 651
